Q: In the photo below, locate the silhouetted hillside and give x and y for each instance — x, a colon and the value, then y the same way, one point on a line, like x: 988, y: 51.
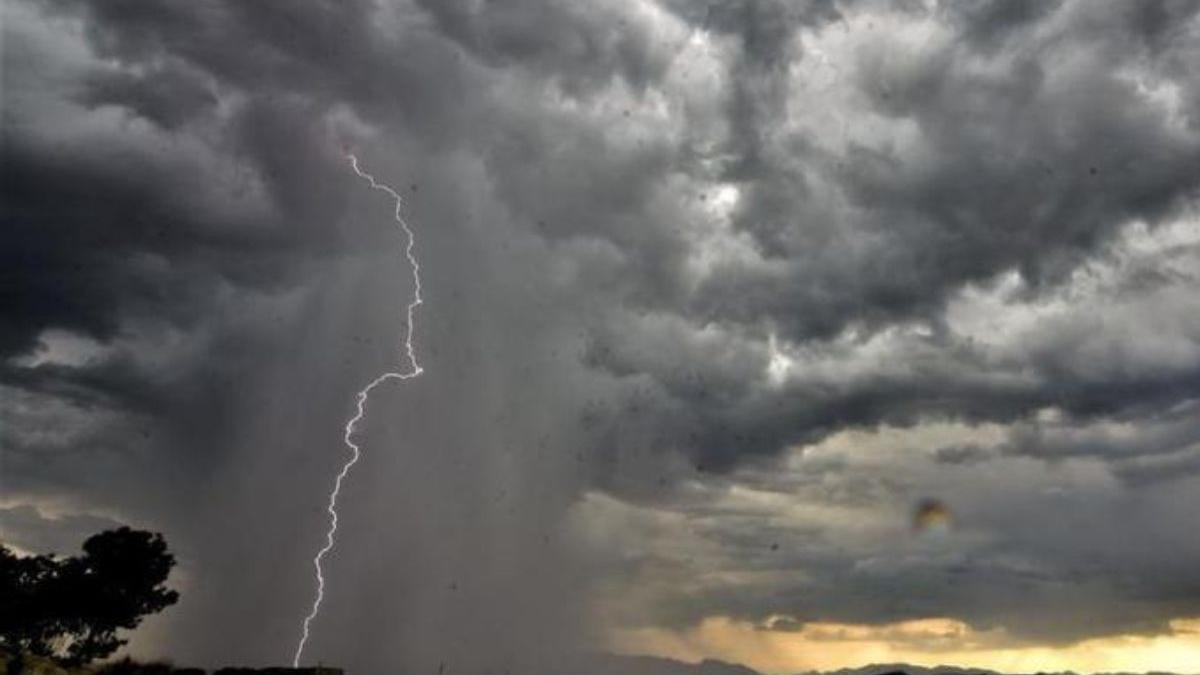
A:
x: 648, y: 665
x: 29, y: 664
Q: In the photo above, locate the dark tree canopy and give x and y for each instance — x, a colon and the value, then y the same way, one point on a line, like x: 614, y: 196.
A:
x: 72, y: 608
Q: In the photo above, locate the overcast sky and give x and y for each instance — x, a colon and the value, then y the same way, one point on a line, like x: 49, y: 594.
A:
x: 716, y: 294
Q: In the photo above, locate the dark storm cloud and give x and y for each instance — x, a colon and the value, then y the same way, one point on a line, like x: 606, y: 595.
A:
x: 175, y: 202
x: 1157, y: 469
x: 168, y: 96
x: 962, y: 454
x: 93, y: 239
x: 1019, y: 163
x: 202, y: 193
x: 579, y: 47
x: 987, y: 24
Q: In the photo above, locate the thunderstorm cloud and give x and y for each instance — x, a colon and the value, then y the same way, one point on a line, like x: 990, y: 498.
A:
x: 716, y: 293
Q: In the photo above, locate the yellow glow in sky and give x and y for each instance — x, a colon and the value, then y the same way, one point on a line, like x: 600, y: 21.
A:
x: 926, y: 642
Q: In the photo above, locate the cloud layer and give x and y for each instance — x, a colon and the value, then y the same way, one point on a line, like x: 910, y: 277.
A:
x: 717, y: 292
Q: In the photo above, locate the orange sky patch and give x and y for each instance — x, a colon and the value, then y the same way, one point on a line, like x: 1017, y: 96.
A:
x: 928, y: 642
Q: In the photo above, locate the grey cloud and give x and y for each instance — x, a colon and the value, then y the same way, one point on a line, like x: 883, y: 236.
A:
x: 240, y: 348
x: 1135, y: 436
x: 578, y: 47
x: 168, y: 96
x: 962, y: 454
x: 28, y: 529
x: 1013, y: 548
x: 591, y: 324
x: 1019, y: 163
x: 988, y: 24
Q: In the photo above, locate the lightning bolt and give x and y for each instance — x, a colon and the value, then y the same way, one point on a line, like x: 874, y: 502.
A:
x: 413, y: 370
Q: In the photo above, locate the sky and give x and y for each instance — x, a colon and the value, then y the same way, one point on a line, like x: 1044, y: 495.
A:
x: 797, y: 334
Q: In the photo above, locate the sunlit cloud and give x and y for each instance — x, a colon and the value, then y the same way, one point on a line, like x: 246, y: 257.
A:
x: 782, y: 646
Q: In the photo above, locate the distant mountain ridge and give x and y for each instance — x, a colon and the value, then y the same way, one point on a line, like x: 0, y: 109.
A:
x: 649, y: 665
x: 908, y: 669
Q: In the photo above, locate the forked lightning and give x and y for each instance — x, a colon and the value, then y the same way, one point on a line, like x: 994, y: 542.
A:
x: 414, y: 369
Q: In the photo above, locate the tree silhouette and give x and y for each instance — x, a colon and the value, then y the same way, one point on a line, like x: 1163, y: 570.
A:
x: 72, y: 608
x: 26, y: 622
